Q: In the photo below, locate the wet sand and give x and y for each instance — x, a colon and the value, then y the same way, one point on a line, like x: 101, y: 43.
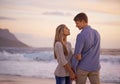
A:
x: 8, y: 79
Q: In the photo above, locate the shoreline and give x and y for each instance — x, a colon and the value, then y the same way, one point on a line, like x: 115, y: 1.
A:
x: 115, y: 52
x: 10, y: 79
x: 103, y: 51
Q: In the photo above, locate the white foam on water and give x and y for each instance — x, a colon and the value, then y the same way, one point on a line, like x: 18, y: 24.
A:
x: 42, y: 64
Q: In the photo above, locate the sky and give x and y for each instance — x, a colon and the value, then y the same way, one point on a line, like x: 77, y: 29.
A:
x: 34, y: 21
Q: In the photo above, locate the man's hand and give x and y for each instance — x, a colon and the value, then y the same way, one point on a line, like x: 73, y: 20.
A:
x: 78, y: 57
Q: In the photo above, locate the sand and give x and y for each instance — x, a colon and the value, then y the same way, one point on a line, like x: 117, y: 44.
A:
x: 8, y: 79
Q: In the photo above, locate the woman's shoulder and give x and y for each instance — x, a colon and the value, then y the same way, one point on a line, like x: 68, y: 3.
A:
x: 58, y: 43
x: 68, y: 43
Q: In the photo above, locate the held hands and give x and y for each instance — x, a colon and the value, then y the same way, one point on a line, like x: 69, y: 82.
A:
x: 72, y: 76
x: 78, y: 57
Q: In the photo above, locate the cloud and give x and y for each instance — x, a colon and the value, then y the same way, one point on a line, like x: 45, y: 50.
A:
x: 6, y: 18
x: 56, y: 13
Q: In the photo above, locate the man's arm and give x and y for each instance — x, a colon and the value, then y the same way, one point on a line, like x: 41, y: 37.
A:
x: 77, y: 53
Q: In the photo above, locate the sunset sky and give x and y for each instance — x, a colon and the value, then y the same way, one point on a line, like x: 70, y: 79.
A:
x: 34, y: 21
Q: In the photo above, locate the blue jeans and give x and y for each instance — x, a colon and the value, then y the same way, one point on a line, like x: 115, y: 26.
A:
x: 63, y: 80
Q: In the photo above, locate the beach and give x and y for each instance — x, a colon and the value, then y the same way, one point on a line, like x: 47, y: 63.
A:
x: 9, y: 79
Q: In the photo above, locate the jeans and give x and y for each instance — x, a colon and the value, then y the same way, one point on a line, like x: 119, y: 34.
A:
x: 63, y: 80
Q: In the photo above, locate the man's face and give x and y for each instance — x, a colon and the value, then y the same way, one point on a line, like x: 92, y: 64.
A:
x: 79, y: 24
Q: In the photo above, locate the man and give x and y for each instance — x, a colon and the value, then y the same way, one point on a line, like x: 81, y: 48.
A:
x: 85, y: 61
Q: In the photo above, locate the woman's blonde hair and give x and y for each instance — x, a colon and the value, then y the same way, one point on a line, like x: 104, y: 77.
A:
x: 59, y: 37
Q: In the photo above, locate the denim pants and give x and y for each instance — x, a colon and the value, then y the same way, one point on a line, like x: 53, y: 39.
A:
x: 63, y: 80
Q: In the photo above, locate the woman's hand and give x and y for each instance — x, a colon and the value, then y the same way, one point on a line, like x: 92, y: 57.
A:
x: 72, y: 76
x: 71, y: 72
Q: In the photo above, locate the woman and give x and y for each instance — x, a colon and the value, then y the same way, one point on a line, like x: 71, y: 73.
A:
x: 63, y: 54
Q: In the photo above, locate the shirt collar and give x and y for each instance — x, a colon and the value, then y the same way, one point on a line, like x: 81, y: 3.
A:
x: 86, y: 27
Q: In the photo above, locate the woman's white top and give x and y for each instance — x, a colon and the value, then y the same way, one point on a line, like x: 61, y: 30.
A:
x: 62, y: 59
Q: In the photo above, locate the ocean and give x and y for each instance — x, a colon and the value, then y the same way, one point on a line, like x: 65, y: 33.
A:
x: 41, y: 63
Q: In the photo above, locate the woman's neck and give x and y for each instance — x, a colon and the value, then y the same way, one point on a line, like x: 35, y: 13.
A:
x: 65, y: 39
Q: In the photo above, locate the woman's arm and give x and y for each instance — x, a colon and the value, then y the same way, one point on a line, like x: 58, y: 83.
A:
x: 62, y: 60
x: 69, y: 69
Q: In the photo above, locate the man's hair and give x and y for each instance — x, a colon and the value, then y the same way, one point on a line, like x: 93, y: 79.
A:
x: 80, y: 17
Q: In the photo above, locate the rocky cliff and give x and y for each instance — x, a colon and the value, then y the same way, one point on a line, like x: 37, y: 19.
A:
x: 7, y: 39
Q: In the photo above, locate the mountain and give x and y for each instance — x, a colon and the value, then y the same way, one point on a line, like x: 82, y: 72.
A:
x: 7, y: 39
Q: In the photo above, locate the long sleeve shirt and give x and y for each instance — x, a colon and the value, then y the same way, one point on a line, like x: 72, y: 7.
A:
x: 62, y: 59
x: 88, y: 45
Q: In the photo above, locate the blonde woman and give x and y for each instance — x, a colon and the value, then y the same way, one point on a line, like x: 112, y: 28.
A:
x: 63, y: 54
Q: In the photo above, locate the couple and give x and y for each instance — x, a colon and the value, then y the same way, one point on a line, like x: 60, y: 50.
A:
x: 85, y: 60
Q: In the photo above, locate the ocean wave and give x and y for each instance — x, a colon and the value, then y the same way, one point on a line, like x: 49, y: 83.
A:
x: 41, y: 56
x: 36, y: 56
x: 110, y: 59
x: 12, y: 57
x: 42, y: 64
x: 28, y: 68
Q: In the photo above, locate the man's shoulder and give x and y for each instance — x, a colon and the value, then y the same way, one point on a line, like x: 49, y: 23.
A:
x: 81, y: 36
x: 95, y: 31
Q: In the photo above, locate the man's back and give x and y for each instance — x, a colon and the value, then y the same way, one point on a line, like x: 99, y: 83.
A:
x: 85, y: 61
x: 91, y: 49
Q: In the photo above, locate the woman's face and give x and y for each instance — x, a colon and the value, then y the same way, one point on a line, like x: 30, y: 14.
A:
x: 66, y: 31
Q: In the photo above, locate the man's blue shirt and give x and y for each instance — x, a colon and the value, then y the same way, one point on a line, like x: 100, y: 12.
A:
x: 88, y: 45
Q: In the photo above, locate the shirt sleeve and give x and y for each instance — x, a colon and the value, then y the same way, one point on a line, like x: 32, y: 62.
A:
x: 70, y: 54
x: 60, y: 54
x: 79, y: 44
x: 78, y: 49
